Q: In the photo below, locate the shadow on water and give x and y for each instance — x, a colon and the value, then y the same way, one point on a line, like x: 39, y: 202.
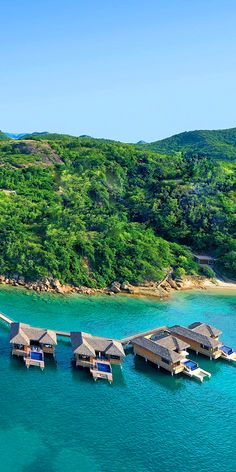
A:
x: 159, y: 376
x: 118, y: 376
x: 214, y: 366
x: 16, y: 363
x: 80, y: 374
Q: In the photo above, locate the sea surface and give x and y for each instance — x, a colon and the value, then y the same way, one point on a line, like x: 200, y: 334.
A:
x: 60, y: 420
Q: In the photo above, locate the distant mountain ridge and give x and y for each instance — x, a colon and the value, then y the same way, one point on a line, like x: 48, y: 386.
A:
x: 218, y: 144
x: 23, y: 135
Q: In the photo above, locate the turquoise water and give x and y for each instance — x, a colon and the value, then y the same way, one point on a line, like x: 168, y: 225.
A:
x: 61, y: 420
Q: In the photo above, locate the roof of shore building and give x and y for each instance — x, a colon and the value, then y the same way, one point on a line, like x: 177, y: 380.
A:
x: 24, y: 334
x: 164, y: 347
x: 87, y: 345
x: 206, y: 329
x: 194, y: 336
x: 204, y: 257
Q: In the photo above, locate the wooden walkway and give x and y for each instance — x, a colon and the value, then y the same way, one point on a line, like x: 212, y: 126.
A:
x: 9, y: 321
x: 6, y: 319
x: 128, y: 340
x: 66, y: 334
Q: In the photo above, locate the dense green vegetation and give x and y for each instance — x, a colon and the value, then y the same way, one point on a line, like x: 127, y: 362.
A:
x: 3, y: 136
x: 90, y: 211
x: 218, y: 144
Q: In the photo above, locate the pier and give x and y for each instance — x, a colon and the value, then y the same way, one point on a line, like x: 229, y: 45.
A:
x: 5, y: 318
x: 9, y: 321
x: 123, y: 341
x: 150, y: 332
x: 164, y: 346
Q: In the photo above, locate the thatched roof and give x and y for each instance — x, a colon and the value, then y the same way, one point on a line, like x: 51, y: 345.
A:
x: 115, y: 349
x: 192, y: 335
x: 24, y: 334
x: 206, y: 329
x: 85, y: 344
x: 17, y: 335
x: 80, y: 344
x: 170, y: 342
x: 168, y: 354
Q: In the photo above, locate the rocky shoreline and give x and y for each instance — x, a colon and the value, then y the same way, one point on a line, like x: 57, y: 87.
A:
x: 148, y: 289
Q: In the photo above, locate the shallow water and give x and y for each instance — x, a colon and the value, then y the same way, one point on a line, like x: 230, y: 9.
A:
x: 60, y: 420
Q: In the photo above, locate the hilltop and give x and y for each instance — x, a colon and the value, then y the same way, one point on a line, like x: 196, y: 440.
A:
x: 90, y: 211
x: 25, y: 153
x: 218, y: 144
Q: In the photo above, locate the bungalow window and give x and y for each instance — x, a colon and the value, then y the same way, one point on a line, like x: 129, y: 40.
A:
x: 114, y: 357
x: 48, y: 345
x: 100, y: 355
x: 205, y: 347
x: 19, y: 346
x: 165, y: 360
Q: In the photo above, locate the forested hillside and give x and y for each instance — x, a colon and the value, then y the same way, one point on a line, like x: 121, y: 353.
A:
x: 218, y: 144
x: 90, y: 211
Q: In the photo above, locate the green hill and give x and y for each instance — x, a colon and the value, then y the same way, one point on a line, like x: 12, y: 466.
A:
x: 3, y: 136
x: 91, y: 211
x: 218, y: 144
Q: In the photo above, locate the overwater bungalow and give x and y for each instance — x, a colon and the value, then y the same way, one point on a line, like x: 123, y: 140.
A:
x: 96, y: 353
x: 214, y: 333
x: 199, y: 342
x: 32, y: 343
x: 168, y: 352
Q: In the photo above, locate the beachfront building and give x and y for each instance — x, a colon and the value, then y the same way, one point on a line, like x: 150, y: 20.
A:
x: 201, y: 339
x: 96, y: 353
x: 32, y: 343
x: 204, y: 260
x: 168, y: 352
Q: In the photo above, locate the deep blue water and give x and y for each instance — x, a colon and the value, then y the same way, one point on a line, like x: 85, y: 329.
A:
x: 61, y: 420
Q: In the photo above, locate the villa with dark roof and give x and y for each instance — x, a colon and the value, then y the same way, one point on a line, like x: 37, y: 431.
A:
x: 210, y: 331
x: 168, y: 352
x: 162, y: 349
x: 32, y: 343
x: 202, y: 338
x: 96, y: 353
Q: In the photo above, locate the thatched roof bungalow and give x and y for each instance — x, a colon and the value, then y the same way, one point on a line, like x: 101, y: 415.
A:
x: 198, y: 342
x: 96, y: 353
x: 162, y: 349
x: 205, y: 329
x: 32, y: 343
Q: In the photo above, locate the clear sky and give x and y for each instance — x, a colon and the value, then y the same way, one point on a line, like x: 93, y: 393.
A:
x: 121, y: 69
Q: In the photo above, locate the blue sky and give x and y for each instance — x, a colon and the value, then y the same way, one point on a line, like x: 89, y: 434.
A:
x: 120, y: 69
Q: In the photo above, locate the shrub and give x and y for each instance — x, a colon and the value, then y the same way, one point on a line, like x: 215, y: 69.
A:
x: 179, y: 273
x: 208, y: 272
